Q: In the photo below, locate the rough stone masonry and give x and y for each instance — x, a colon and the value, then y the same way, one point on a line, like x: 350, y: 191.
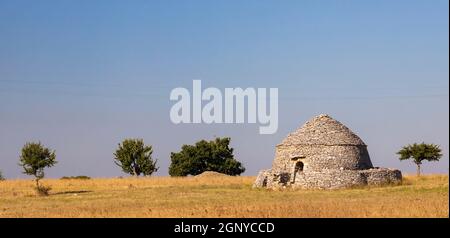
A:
x: 324, y: 154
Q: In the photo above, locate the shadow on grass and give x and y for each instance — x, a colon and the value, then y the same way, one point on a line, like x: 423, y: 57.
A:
x: 71, y: 192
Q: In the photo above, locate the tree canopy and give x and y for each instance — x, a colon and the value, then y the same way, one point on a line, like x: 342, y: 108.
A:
x: 419, y: 153
x: 135, y: 158
x: 215, y: 155
x: 35, y: 157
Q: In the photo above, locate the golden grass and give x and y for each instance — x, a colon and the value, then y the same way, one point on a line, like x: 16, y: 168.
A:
x: 223, y: 196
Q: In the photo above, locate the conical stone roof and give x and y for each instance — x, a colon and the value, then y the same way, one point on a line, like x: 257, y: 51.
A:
x: 322, y: 130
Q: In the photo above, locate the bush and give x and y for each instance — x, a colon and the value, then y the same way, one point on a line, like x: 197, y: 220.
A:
x: 80, y: 177
x: 42, y: 190
x: 1, y: 176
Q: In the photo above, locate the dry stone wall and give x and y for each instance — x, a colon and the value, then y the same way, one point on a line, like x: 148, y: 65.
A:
x: 329, y: 178
x: 380, y: 176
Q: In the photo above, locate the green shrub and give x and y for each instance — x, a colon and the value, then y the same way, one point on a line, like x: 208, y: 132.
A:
x: 81, y: 177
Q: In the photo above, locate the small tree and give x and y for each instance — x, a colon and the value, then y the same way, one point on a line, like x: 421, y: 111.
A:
x: 135, y: 158
x: 34, y: 159
x: 1, y: 176
x: 419, y: 153
x: 204, y: 156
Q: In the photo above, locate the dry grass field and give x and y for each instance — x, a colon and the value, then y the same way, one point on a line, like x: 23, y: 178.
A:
x: 220, y: 196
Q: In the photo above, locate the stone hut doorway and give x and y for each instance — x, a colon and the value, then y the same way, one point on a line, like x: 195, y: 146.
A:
x: 298, y: 167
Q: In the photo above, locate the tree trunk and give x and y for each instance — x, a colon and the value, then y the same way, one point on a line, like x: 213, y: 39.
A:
x: 37, y: 183
x: 418, y: 170
x: 135, y: 171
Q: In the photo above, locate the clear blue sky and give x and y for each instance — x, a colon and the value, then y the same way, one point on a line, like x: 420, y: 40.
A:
x: 80, y: 76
